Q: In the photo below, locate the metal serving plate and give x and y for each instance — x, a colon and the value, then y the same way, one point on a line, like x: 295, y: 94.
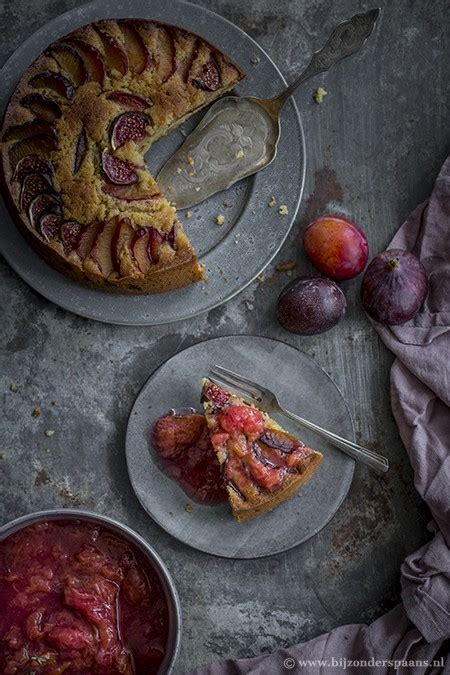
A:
x: 303, y: 386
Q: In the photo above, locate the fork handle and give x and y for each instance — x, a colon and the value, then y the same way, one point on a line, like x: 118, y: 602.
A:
x: 376, y: 462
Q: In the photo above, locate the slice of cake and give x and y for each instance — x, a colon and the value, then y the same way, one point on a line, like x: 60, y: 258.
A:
x: 262, y: 465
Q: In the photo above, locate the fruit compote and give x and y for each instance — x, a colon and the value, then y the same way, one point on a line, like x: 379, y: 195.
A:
x: 182, y: 444
x: 75, y: 598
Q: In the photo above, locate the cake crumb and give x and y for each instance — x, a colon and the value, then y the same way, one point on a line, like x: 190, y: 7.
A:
x: 239, y: 154
x: 260, y: 278
x: 220, y: 219
x: 272, y: 202
x: 191, y: 173
x: 178, y: 170
x: 188, y: 508
x: 13, y: 387
x: 283, y: 210
x: 36, y: 412
x: 190, y: 160
x: 227, y: 205
x: 255, y: 60
x: 197, y: 189
x: 319, y: 95
x: 189, y: 214
x: 2, y: 455
x: 49, y: 433
x: 286, y: 266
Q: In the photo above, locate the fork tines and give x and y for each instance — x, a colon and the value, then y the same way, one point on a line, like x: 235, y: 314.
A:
x: 223, y: 376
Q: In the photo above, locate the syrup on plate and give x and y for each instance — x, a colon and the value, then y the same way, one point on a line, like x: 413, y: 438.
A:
x: 181, y: 444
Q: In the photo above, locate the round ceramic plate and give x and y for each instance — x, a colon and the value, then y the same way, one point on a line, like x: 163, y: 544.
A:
x: 234, y: 253
x: 302, y: 386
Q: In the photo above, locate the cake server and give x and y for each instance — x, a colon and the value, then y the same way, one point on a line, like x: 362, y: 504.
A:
x: 238, y: 136
x: 266, y: 400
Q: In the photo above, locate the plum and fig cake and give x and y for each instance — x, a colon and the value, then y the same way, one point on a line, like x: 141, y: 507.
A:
x: 262, y: 465
x: 74, y: 137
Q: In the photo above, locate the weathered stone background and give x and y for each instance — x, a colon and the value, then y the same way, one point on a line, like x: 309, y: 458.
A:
x: 373, y: 150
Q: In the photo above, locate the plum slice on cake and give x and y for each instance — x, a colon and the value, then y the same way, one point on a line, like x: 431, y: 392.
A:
x: 262, y: 465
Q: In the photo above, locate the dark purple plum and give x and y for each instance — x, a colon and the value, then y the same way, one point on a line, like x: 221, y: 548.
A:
x: 310, y: 305
x: 394, y: 287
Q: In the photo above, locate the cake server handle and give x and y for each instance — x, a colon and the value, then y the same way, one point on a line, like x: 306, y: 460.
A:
x: 372, y: 459
x: 346, y: 39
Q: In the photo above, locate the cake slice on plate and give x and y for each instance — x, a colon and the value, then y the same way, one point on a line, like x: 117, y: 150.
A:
x: 262, y: 465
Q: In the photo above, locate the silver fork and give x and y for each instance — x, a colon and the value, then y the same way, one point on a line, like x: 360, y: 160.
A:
x: 267, y: 401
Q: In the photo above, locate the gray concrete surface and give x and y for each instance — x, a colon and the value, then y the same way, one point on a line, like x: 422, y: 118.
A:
x: 374, y: 147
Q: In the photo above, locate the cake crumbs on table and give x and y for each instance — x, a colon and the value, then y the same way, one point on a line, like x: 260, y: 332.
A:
x: 272, y: 202
x: 190, y: 160
x: 49, y: 433
x: 319, y: 94
x: 197, y: 189
x: 189, y: 214
x: 191, y: 173
x: 239, y: 154
x: 287, y: 266
x: 188, y: 508
x: 13, y: 387
x: 227, y: 205
x: 283, y: 210
x: 178, y: 169
x: 36, y: 412
x: 260, y: 278
x: 220, y: 219
x: 255, y: 60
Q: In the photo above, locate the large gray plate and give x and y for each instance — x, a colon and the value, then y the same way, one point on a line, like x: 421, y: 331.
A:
x: 259, y: 231
x: 303, y: 386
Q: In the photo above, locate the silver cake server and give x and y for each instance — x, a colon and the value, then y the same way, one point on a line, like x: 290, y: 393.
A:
x: 238, y: 136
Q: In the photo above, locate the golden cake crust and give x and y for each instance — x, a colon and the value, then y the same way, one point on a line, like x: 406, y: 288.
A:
x: 74, y: 135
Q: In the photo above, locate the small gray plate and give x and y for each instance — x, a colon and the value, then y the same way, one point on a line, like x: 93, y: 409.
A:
x: 303, y: 386
x: 234, y: 253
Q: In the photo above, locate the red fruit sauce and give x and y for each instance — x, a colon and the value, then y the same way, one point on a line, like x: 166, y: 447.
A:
x: 77, y: 599
x: 183, y: 448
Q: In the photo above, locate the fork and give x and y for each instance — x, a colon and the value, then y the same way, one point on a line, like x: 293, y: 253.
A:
x: 267, y: 401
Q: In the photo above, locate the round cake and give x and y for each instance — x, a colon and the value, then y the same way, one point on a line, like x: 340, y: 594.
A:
x: 74, y: 137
